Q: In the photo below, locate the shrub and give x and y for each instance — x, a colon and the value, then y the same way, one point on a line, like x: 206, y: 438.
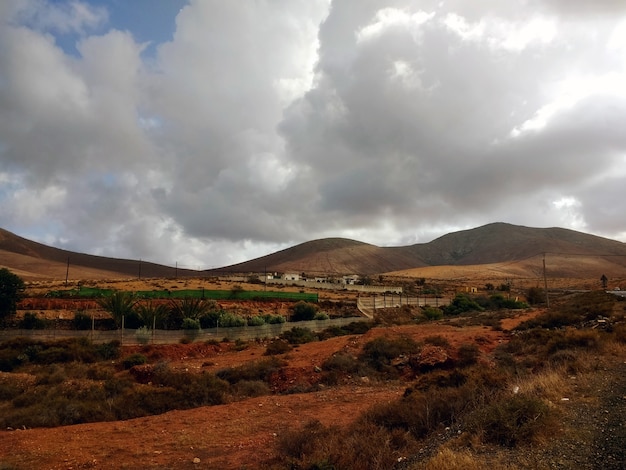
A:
x: 143, y: 335
x: 230, y: 320
x: 274, y: 319
x: 432, y: 313
x: 256, y: 321
x: 512, y: 420
x: 321, y: 316
x: 277, y: 346
x: 11, y: 289
x: 110, y: 350
x: 299, y: 335
x: 499, y: 301
x: 357, y: 327
x: 468, y: 355
x: 303, y: 311
x: 306, y: 441
x: 259, y: 370
x: 535, y: 295
x: 462, y: 303
x: 32, y: 322
x: 211, y: 318
x: 134, y: 360
x: 190, y: 324
x: 420, y: 413
x: 379, y: 352
x: 251, y: 388
x: 81, y: 321
x: 342, y: 362
x: 573, y: 339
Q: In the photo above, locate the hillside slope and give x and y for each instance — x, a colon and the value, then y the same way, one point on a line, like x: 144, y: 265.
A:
x: 489, y: 244
x: 511, y: 247
x: 33, y: 260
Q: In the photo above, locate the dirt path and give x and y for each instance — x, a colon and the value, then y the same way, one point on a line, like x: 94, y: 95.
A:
x: 225, y: 436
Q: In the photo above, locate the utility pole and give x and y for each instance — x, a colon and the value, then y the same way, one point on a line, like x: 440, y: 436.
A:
x: 545, y: 281
x: 67, y: 270
x: 139, y: 268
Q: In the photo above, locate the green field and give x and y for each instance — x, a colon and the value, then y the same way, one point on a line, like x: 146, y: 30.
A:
x: 93, y: 292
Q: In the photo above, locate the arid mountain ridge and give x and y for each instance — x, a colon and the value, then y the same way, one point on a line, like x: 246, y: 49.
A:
x: 496, y: 243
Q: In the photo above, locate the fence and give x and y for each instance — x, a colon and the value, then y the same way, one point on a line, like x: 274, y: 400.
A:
x: 129, y: 336
x: 368, y: 305
x: 336, y: 286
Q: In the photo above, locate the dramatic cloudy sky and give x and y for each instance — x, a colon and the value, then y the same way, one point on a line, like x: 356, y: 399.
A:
x: 208, y: 132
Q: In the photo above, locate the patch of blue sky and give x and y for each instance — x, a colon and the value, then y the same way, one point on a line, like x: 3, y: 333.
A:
x: 151, y: 22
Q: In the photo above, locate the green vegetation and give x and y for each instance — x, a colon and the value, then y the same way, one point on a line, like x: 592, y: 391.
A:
x: 240, y: 294
x: 11, y: 289
x: 303, y: 311
x: 121, y: 306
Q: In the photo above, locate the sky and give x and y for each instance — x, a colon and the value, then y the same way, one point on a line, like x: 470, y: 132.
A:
x: 206, y: 132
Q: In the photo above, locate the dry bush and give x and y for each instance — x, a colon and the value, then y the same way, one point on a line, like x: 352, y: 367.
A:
x: 551, y: 384
x: 448, y: 459
x: 378, y: 353
x: 251, y: 388
x: 467, y: 354
x: 422, y: 412
x: 258, y: 370
x: 276, y: 347
x: 362, y: 446
x: 514, y: 420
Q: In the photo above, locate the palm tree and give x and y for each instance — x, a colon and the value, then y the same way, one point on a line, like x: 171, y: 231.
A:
x: 190, y: 307
x: 152, y: 314
x: 119, y: 304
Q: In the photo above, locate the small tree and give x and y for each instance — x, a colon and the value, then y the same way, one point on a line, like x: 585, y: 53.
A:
x: 153, y: 314
x: 303, y: 311
x: 11, y: 289
x: 190, y: 308
x: 119, y: 304
x: 236, y: 291
x: 535, y: 295
x: 462, y: 303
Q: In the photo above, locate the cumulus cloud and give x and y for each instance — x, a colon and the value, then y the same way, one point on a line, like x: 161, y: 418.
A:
x: 265, y: 124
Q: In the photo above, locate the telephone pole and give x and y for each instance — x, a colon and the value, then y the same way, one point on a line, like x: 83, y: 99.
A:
x: 545, y: 281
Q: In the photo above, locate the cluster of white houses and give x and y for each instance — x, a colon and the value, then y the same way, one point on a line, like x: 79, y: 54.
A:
x: 350, y: 280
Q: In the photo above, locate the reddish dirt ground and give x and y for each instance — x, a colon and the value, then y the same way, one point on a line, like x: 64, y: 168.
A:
x: 231, y: 436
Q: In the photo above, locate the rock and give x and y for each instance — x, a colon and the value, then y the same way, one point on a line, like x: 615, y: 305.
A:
x: 196, y: 460
x: 430, y: 357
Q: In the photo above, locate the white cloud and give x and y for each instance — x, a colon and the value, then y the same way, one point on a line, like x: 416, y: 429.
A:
x: 264, y: 124
x: 66, y: 17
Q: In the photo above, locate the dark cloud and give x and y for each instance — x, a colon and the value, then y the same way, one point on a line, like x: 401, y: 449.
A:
x: 266, y: 124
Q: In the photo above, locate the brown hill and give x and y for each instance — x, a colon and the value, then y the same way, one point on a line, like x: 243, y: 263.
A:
x: 330, y: 256
x: 504, y: 246
x: 503, y: 249
x: 32, y: 260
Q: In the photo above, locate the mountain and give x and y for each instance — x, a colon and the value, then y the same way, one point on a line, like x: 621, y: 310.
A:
x: 330, y: 256
x: 492, y: 243
x: 32, y: 260
x: 496, y: 245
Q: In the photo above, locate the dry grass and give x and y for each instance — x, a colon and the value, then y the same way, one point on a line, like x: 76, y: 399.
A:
x: 448, y: 459
x: 551, y: 384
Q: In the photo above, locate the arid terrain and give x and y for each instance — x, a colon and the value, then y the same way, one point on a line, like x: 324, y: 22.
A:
x: 230, y: 436
x: 577, y: 373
